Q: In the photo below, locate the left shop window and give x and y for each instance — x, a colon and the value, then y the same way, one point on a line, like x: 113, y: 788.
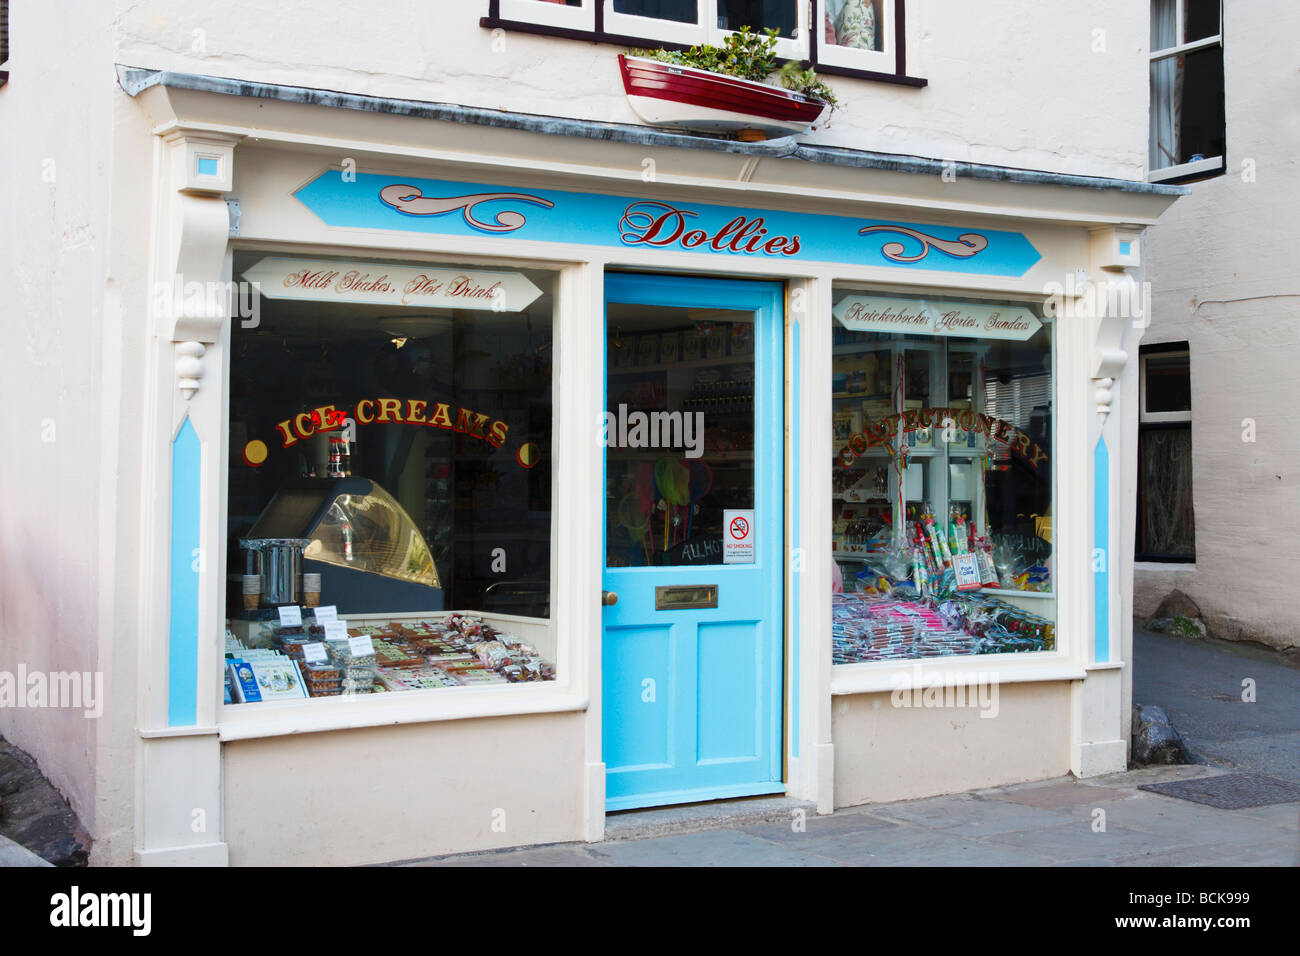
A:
x: 390, y: 502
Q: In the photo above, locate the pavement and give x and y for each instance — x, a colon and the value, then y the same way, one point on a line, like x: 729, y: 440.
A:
x: 13, y: 854
x: 1104, y: 821
x: 1199, y: 684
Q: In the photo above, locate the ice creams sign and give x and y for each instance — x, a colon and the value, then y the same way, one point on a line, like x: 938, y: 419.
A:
x: 929, y: 317
x: 383, y: 283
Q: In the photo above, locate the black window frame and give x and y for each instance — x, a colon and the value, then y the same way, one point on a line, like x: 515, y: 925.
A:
x: 1149, y: 427
x: 494, y: 21
x: 4, y: 41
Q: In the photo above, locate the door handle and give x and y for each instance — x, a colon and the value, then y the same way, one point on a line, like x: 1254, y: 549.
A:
x: 608, y: 598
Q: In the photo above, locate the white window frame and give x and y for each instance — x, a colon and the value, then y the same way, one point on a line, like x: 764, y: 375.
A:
x: 1209, y: 164
x: 704, y: 29
x: 884, y: 60
x: 665, y: 31
x: 1160, y: 417
x: 551, y: 14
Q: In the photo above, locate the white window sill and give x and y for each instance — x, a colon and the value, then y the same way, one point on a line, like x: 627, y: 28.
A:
x: 1169, y: 566
x: 1212, y: 165
x: 881, y: 676
x: 284, y: 718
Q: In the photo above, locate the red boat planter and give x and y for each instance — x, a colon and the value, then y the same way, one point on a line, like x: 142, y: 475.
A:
x: 683, y: 97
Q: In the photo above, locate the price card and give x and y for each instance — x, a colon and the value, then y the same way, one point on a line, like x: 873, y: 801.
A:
x: 326, y: 614
x: 361, y: 646
x: 290, y: 616
x: 967, y: 568
x: 314, y: 653
x: 336, y: 631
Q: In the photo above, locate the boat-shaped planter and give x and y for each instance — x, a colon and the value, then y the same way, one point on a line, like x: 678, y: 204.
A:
x: 683, y: 97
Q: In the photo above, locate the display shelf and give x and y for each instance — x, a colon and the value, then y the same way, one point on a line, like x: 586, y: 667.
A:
x: 669, y: 366
x: 1008, y: 592
x: 862, y: 556
x: 620, y: 454
x: 864, y: 396
x: 869, y: 453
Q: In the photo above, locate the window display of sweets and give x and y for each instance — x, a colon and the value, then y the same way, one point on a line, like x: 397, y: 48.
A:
x: 901, y: 626
x: 455, y: 650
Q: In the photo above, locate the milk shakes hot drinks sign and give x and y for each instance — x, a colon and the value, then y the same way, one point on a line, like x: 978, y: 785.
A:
x: 384, y: 283
x: 374, y: 201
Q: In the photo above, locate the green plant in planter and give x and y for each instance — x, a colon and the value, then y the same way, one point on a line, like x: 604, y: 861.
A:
x: 749, y: 56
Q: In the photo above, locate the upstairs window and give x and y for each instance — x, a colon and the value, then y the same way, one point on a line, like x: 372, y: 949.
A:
x: 838, y: 37
x: 1187, y: 102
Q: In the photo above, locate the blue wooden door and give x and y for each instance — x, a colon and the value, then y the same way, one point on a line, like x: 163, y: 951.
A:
x: 693, y: 431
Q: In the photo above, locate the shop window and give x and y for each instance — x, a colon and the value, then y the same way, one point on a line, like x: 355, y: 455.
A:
x: 1187, y: 99
x: 942, y: 478
x: 4, y: 41
x: 390, y: 439
x: 1166, y: 526
x: 844, y: 37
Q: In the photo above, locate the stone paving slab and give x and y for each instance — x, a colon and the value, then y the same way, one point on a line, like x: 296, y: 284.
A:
x: 566, y: 854
x: 668, y: 821
x: 1078, y: 841
x: 12, y: 854
x: 709, y: 848
x: 1263, y: 854
x: 1053, y: 796
x: 1284, y: 815
x: 828, y: 825
x: 972, y: 816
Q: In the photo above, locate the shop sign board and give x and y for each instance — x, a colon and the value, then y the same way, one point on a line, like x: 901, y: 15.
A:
x: 864, y: 313
x: 391, y: 284
x: 353, y: 200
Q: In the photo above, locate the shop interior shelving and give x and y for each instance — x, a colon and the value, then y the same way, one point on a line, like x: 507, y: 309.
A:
x: 933, y: 373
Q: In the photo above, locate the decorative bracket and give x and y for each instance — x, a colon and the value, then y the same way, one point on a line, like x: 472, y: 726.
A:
x: 194, y: 298
x: 1112, y: 305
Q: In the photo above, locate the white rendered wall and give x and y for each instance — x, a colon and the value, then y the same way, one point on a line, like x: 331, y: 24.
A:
x: 1051, y: 86
x: 1223, y: 267
x: 56, y: 167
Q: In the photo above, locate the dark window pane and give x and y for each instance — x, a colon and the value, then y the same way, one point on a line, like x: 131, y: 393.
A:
x: 1187, y: 116
x: 1166, y: 524
x: 1168, y: 384
x: 681, y: 11
x: 1202, y: 107
x: 466, y: 490
x: 679, y: 432
x: 758, y: 15
x: 1200, y: 20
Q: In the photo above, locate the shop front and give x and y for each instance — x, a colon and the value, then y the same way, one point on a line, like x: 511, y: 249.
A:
x: 497, y: 494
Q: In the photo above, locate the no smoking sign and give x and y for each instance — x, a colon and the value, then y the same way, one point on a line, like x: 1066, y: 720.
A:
x: 738, y: 540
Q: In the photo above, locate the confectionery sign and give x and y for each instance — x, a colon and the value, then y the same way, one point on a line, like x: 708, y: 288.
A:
x: 864, y: 313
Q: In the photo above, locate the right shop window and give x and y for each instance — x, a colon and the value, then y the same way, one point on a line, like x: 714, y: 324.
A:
x: 942, y: 481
